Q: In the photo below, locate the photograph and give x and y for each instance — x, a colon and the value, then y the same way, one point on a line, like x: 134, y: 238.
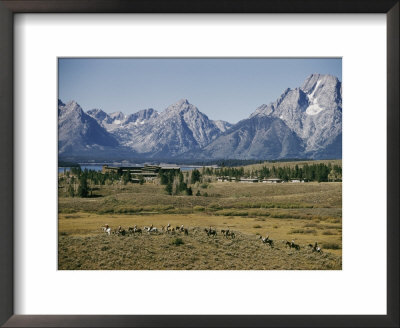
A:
x: 199, y: 163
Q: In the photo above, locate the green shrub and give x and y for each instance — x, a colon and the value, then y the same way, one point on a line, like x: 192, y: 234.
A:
x: 177, y: 242
x: 303, y: 231
x: 331, y: 246
x: 328, y: 233
x: 310, y: 225
x: 199, y: 208
x: 215, y: 206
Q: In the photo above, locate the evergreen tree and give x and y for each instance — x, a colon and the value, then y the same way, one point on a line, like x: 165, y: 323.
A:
x: 195, y: 176
x: 83, y: 189
x: 126, y: 177
x: 71, y: 192
x: 168, y: 188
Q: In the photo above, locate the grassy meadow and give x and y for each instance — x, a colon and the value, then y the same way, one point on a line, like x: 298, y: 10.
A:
x: 303, y: 212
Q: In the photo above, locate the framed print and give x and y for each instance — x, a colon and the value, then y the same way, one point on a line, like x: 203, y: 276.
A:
x: 208, y: 170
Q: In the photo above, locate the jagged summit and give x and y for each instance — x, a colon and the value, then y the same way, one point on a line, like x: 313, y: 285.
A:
x: 78, y: 132
x: 182, y: 105
x: 303, y: 122
x: 313, y: 111
x: 118, y: 116
x: 311, y: 81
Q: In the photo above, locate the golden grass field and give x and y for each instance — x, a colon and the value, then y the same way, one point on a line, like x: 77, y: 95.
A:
x: 306, y: 213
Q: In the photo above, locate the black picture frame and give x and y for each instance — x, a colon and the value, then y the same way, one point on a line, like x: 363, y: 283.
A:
x: 10, y: 7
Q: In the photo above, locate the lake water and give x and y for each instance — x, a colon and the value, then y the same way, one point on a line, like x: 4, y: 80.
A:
x: 99, y: 168
x: 83, y: 167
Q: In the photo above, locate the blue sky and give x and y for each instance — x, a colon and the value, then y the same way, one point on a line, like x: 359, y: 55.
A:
x: 223, y: 89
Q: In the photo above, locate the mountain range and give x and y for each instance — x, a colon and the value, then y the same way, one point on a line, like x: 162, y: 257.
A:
x: 305, y: 122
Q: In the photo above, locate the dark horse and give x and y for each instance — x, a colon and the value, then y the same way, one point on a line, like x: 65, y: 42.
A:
x: 293, y: 245
x: 210, y: 232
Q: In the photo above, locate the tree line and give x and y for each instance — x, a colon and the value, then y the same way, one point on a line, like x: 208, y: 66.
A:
x: 81, y: 183
x: 314, y: 172
x: 177, y: 183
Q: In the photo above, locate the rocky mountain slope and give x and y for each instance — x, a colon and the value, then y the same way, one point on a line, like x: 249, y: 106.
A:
x: 79, y: 133
x: 305, y: 122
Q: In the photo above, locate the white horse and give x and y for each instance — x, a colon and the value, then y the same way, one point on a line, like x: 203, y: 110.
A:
x: 150, y: 229
x: 106, y: 229
x: 266, y: 240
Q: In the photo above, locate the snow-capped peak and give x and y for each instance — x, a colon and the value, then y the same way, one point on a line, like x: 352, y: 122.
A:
x: 314, y: 108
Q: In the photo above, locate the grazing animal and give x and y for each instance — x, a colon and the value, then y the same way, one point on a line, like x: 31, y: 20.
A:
x: 106, y: 229
x: 167, y: 229
x: 268, y: 241
x: 230, y: 234
x: 293, y: 245
x: 210, y: 232
x: 151, y: 229
x: 186, y: 231
x: 317, y: 249
x: 121, y: 231
x: 137, y: 230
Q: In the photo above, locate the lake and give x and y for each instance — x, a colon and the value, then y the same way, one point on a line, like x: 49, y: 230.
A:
x: 99, y: 168
x: 83, y: 167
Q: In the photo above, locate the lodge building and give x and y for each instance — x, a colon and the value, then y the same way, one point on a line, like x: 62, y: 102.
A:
x: 147, y: 171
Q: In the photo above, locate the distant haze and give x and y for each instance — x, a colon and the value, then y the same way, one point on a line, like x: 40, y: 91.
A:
x: 223, y: 89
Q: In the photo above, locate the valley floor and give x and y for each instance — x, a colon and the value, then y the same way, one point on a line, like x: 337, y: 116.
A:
x: 306, y: 213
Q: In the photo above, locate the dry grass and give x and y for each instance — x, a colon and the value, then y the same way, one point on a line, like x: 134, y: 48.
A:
x: 196, y: 251
x: 307, y: 213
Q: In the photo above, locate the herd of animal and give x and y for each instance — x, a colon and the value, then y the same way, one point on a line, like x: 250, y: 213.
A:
x: 227, y: 233
x: 149, y: 229
x: 291, y: 244
x: 209, y: 231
